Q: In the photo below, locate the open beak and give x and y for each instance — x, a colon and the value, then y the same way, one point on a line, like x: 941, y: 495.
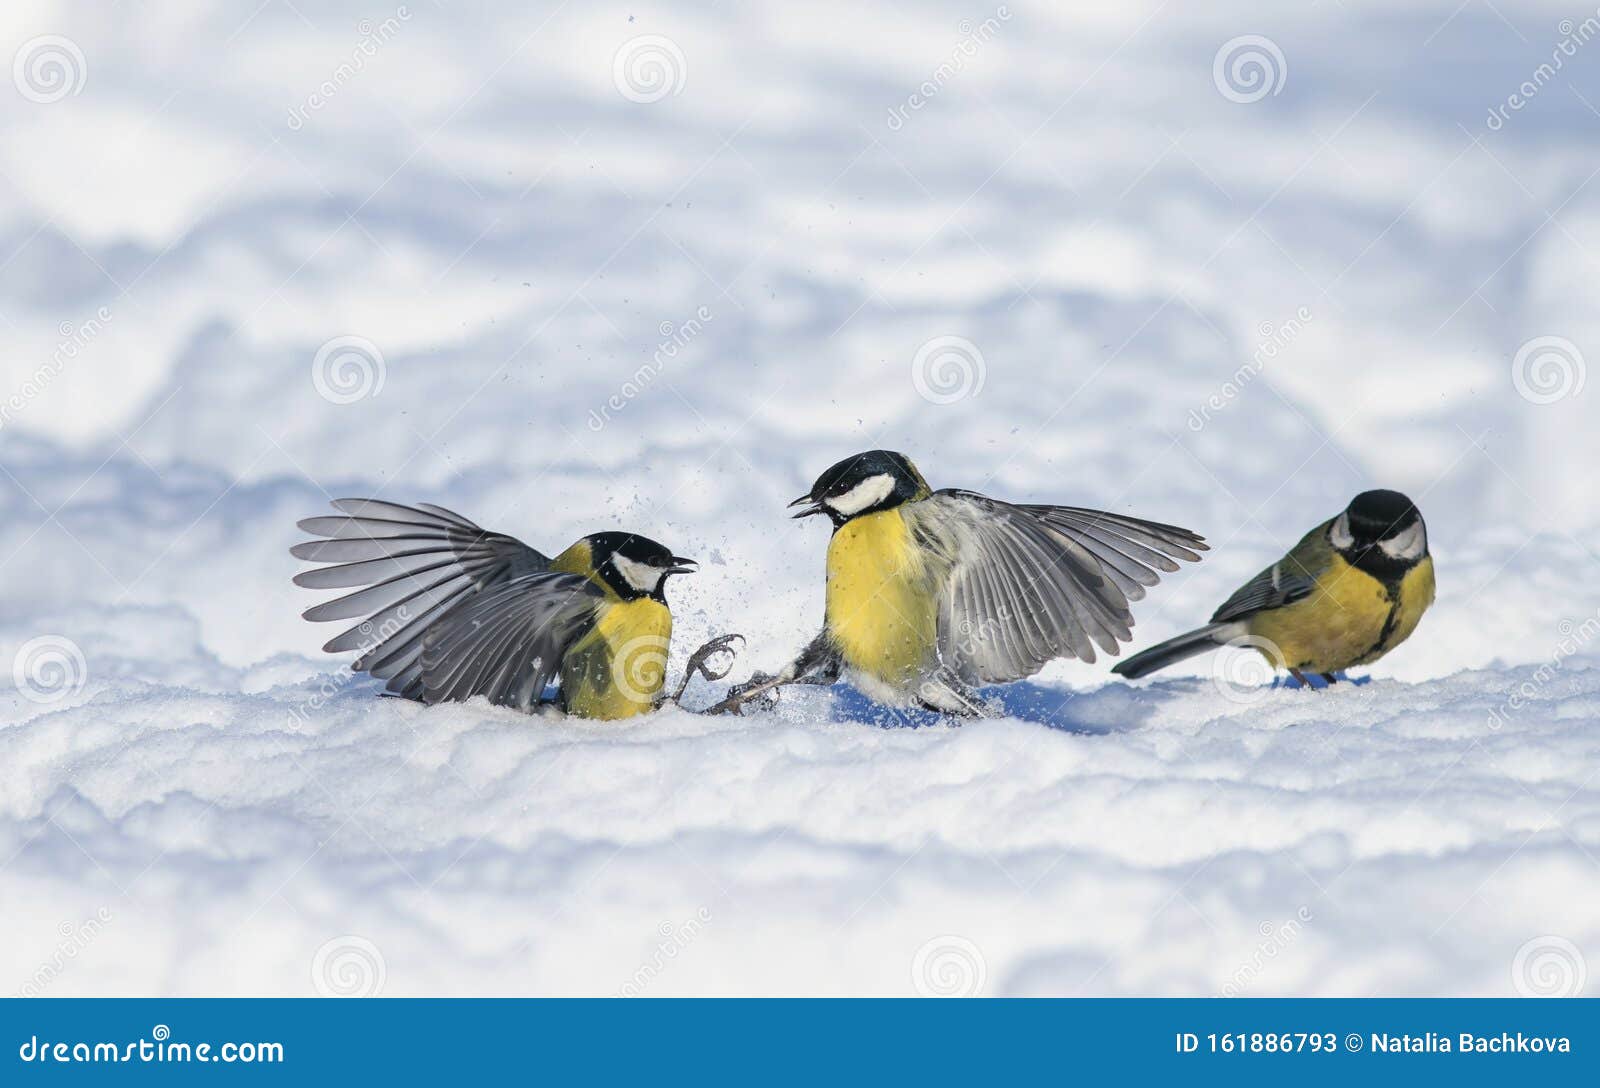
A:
x: 680, y: 565
x: 814, y: 508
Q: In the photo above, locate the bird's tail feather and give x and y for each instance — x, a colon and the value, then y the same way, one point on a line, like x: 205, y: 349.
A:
x: 1176, y: 649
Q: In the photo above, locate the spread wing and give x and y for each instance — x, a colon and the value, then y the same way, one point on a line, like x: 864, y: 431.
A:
x: 414, y: 565
x: 506, y: 643
x: 1290, y: 579
x: 1027, y: 584
x: 1130, y: 549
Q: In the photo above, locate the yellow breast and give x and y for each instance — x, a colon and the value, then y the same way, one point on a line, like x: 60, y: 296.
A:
x: 1349, y: 619
x: 617, y: 670
x: 881, y: 613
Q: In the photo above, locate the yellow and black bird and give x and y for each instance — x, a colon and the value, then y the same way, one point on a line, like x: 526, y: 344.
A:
x: 452, y: 611
x: 1352, y: 590
x: 932, y: 593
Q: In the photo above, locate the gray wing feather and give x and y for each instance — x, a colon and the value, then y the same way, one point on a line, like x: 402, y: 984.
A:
x: 414, y: 564
x: 1278, y: 585
x: 1027, y: 584
x: 507, y: 643
x: 1130, y: 549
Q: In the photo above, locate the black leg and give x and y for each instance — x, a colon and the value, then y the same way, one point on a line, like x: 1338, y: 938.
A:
x: 698, y: 659
x: 817, y: 664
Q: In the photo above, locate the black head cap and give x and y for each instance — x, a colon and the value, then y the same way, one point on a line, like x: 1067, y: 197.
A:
x: 862, y: 484
x: 1380, y: 515
x: 1380, y: 532
x: 634, y: 566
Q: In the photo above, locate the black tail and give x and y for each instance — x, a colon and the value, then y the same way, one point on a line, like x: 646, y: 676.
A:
x: 1166, y: 653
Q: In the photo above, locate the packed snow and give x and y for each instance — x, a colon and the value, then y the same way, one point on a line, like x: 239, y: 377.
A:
x: 566, y: 268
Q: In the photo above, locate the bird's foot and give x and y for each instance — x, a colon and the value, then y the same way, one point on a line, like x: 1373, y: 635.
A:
x: 699, y: 662
x: 761, y: 689
x: 1310, y: 681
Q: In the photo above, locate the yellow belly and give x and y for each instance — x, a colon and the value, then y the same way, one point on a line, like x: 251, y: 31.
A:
x: 617, y: 670
x: 882, y: 615
x: 1347, y: 620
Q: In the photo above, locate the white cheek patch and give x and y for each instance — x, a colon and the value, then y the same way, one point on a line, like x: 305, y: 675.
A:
x: 866, y: 494
x: 1339, y: 535
x: 1407, y: 545
x: 640, y: 576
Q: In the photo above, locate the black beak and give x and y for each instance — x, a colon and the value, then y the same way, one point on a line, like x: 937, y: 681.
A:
x: 814, y: 508
x: 680, y: 565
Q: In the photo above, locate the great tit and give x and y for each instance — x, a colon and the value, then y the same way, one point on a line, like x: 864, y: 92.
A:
x: 1352, y: 590
x: 452, y: 610
x: 931, y: 593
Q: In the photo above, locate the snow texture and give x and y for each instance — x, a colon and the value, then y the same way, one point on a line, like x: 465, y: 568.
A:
x: 506, y: 258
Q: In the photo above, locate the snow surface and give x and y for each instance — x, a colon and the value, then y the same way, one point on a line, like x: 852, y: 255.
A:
x: 202, y: 803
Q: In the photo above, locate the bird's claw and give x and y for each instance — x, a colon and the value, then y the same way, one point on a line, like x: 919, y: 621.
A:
x: 760, y: 689
x: 698, y: 661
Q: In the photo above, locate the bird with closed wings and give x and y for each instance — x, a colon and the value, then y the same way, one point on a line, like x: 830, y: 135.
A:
x: 1353, y: 589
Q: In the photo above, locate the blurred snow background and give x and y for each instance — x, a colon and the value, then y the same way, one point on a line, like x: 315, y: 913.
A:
x: 255, y: 256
